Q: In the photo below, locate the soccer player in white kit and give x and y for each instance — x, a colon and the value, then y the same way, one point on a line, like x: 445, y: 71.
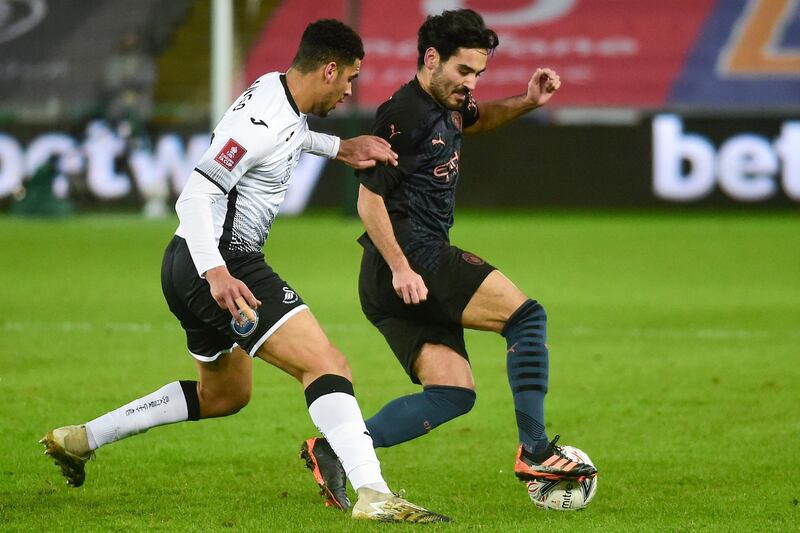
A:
x: 231, y: 304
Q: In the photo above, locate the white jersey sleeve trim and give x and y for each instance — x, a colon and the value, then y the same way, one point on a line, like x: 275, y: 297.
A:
x: 197, y: 221
x: 321, y: 144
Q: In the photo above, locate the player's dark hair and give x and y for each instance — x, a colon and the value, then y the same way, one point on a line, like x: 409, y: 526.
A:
x: 327, y: 40
x: 460, y: 28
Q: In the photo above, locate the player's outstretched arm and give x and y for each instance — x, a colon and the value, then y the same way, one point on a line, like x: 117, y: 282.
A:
x: 366, y: 151
x: 541, y: 87
x: 407, y: 284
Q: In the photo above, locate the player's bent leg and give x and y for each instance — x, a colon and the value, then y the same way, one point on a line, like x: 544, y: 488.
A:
x: 72, y: 446
x: 223, y: 389
x: 448, y: 392
x: 492, y: 304
x: 301, y: 349
x: 225, y: 384
x: 498, y: 305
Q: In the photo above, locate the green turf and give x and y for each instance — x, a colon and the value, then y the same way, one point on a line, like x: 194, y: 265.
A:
x: 675, y: 363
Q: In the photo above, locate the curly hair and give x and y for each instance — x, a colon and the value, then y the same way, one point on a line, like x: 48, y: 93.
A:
x: 460, y: 28
x: 327, y: 40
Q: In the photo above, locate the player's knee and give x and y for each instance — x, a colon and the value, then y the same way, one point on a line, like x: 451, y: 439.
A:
x: 223, y: 403
x: 530, y: 312
x: 450, y: 402
x: 328, y: 360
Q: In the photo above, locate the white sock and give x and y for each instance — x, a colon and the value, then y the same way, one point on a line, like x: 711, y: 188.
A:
x: 338, y: 418
x: 167, y: 405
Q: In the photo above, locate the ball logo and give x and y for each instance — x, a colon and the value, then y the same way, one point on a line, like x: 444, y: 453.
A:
x: 289, y: 296
x: 230, y: 154
x: 246, y: 327
x: 472, y: 259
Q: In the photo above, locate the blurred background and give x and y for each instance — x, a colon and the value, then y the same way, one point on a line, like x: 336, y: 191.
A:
x: 106, y: 105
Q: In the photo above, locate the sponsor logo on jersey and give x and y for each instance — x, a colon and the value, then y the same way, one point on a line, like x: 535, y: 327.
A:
x: 246, y: 327
x: 230, y: 155
x: 289, y: 296
x: 447, y: 171
x: 437, y: 140
x: 393, y: 131
x: 472, y: 259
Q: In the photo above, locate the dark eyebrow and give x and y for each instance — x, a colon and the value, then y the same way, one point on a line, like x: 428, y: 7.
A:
x: 462, y: 66
x: 354, y: 76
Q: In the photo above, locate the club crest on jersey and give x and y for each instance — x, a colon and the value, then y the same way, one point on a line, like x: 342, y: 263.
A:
x: 472, y: 259
x: 246, y: 327
x: 230, y: 154
x: 289, y: 296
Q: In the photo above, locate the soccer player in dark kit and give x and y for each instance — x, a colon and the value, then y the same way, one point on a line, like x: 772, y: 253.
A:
x: 419, y: 290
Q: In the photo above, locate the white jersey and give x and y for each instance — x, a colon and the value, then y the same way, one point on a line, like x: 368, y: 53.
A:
x: 244, y: 174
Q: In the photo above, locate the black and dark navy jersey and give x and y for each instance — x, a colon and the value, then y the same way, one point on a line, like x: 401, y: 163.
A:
x: 420, y: 192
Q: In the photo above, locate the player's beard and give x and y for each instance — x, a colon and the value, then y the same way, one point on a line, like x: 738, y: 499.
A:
x: 442, y: 90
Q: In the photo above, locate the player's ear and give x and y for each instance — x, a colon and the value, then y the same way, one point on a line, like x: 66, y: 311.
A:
x: 329, y: 72
x: 431, y: 58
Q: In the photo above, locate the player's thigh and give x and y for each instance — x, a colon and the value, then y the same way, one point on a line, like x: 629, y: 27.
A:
x: 300, y: 348
x: 438, y: 364
x: 492, y: 304
x: 225, y: 384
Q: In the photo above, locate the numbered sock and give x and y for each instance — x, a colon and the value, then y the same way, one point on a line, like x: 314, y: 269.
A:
x: 527, y: 366
x: 174, y: 402
x: 409, y: 417
x: 334, y: 410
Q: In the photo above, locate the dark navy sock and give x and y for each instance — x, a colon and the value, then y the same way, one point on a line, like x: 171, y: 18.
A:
x: 527, y: 366
x: 409, y: 417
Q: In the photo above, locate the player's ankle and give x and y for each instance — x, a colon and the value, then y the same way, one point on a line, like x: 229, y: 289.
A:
x: 383, y: 488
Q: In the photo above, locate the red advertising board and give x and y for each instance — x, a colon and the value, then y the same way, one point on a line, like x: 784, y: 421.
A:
x: 607, y: 52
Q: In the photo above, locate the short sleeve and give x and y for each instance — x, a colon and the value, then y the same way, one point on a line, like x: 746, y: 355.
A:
x: 236, y: 147
x: 397, y: 128
x: 469, y: 111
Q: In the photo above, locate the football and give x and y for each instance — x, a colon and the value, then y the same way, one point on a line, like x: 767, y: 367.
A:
x: 564, y: 495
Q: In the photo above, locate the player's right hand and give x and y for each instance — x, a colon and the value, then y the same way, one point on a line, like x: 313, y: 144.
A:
x: 230, y: 293
x: 409, y: 286
x: 366, y: 151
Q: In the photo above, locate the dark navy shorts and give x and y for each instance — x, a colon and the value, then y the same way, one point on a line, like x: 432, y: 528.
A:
x: 210, y: 329
x: 407, y: 327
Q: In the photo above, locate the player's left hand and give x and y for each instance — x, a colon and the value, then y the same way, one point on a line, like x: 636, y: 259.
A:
x: 544, y: 83
x: 366, y: 151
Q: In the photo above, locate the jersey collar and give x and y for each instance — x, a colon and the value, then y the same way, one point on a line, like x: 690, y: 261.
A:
x: 289, y: 96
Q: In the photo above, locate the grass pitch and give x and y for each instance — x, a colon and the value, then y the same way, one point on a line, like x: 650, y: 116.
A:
x: 674, y: 363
